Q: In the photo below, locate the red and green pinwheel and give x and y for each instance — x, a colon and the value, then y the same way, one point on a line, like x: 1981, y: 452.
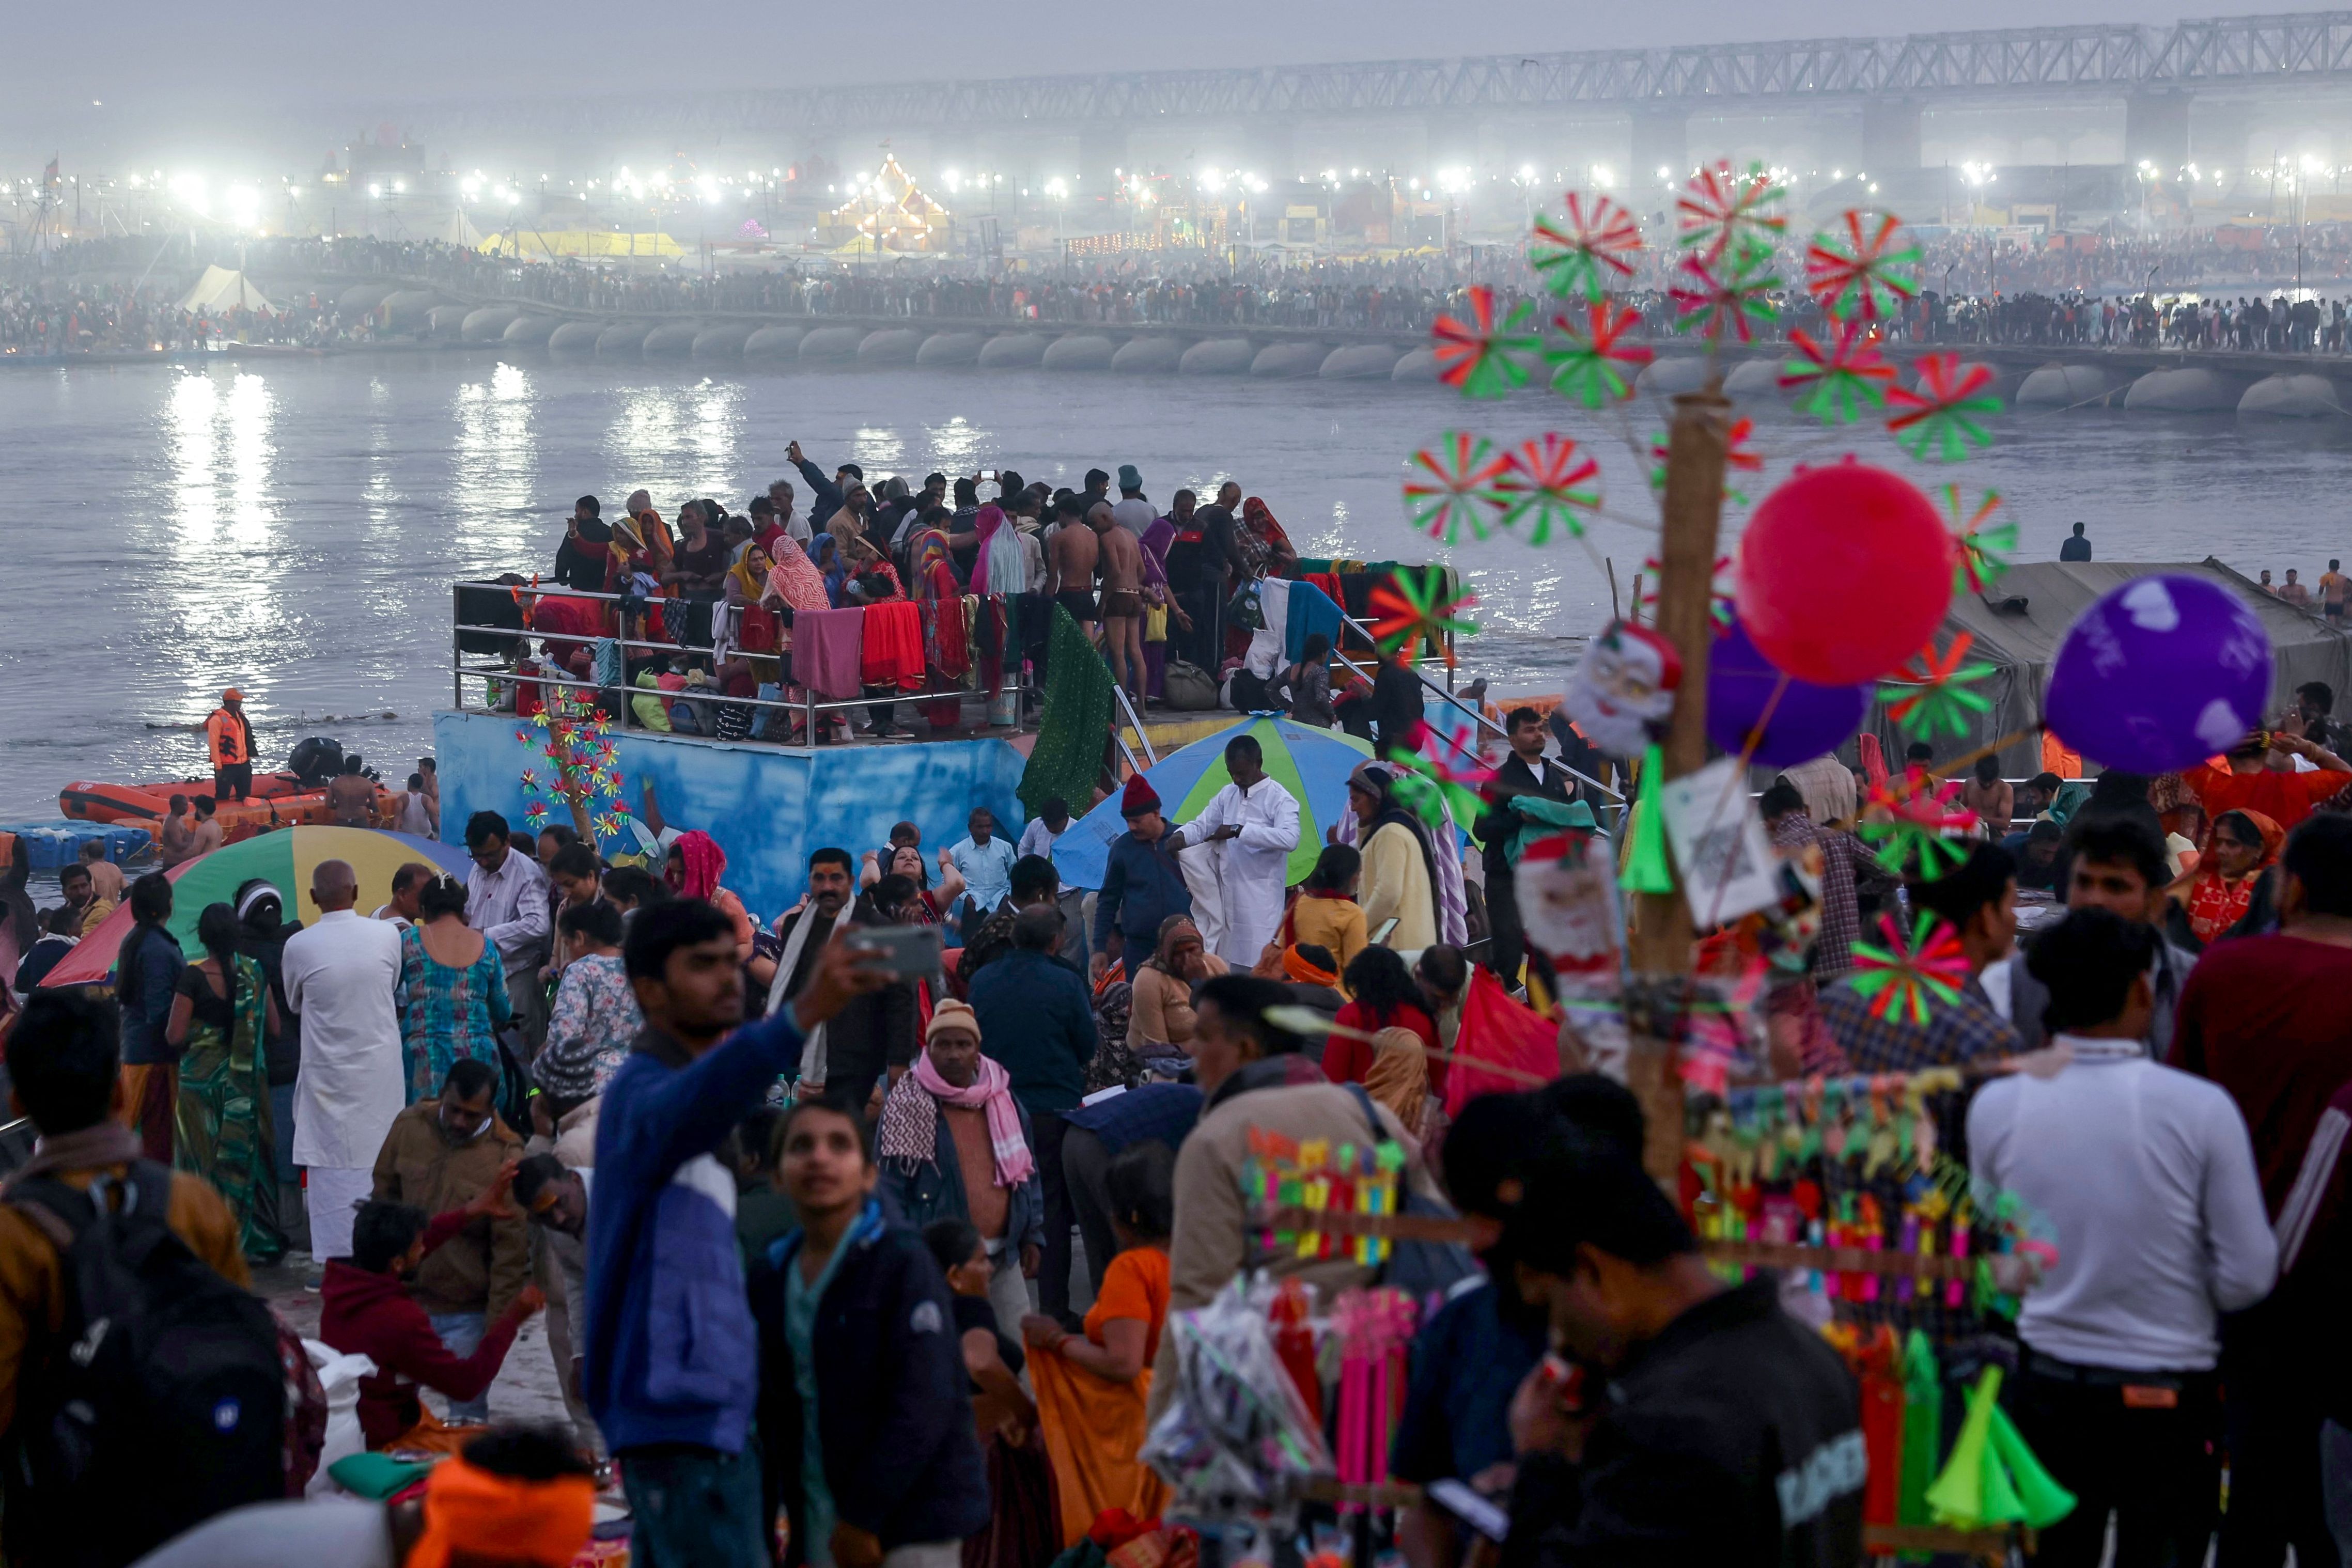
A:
x: 1547, y: 485
x: 1915, y: 820
x: 1838, y: 376
x: 1596, y: 360
x: 1863, y: 277
x: 1900, y: 976
x: 1983, y: 546
x: 1441, y: 778
x: 1590, y: 252
x: 1726, y: 294
x: 1719, y: 597
x: 1487, y: 354
x: 1726, y: 212
x: 1451, y: 487
x: 1941, y: 419
x: 1412, y: 605
x: 1931, y: 692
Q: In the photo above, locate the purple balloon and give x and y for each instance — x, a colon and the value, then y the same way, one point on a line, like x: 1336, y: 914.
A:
x: 1806, y: 721
x: 2159, y: 674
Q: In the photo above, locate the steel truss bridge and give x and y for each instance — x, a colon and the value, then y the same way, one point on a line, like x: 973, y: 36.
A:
x: 2240, y: 55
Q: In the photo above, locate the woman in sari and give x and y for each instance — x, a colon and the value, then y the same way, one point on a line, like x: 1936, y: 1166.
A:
x: 1264, y: 544
x: 1000, y: 568
x: 1092, y: 1387
x: 2241, y: 847
x: 456, y: 984
x: 222, y: 1011
x: 1325, y: 913
x: 1159, y: 606
x: 692, y: 869
x: 757, y: 633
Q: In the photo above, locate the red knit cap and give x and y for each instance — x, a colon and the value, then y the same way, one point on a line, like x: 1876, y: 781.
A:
x: 1138, y: 799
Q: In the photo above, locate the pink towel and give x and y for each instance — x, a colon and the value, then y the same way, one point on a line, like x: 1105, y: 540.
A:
x: 826, y: 648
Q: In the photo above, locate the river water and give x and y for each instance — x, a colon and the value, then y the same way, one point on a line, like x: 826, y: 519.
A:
x: 292, y: 527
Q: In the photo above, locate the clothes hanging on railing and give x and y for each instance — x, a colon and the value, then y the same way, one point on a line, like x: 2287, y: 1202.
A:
x: 826, y: 652
x: 1310, y: 611
x: 892, y: 654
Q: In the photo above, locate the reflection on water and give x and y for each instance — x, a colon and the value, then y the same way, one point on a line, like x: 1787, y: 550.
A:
x: 496, y: 475
x: 292, y: 527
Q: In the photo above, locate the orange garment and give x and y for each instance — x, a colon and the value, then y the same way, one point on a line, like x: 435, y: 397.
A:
x: 1094, y: 1427
x: 892, y: 652
x: 229, y: 737
x: 2285, y: 798
x: 487, y: 1516
x: 2058, y: 757
x: 429, y: 1436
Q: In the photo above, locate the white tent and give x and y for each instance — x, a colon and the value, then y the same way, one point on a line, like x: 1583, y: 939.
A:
x: 221, y: 289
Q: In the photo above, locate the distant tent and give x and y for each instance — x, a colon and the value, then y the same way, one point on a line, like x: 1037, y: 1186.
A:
x: 888, y: 212
x: 225, y: 288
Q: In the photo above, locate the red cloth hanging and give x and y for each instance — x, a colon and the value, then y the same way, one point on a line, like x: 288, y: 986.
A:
x: 760, y: 631
x: 892, y: 654
x: 1497, y: 1030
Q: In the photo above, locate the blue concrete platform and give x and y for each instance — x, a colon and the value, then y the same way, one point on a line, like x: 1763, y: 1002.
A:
x: 769, y: 806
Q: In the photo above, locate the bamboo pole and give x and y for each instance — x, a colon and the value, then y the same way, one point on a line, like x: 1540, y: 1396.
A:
x: 1696, y: 444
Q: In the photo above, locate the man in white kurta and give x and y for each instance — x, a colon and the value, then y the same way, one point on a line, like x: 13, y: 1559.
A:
x: 341, y: 974
x: 1251, y: 825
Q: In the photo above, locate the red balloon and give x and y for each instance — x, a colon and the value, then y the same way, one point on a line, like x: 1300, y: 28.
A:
x: 1844, y: 572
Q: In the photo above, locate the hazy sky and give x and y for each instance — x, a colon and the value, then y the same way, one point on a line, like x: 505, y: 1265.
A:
x: 170, y: 76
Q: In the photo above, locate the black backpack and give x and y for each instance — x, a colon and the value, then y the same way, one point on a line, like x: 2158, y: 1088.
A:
x: 161, y: 1404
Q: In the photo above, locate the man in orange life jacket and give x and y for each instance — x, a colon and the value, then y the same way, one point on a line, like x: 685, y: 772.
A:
x: 229, y: 734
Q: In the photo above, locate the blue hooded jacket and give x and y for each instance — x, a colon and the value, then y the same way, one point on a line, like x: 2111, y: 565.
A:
x: 671, y: 1351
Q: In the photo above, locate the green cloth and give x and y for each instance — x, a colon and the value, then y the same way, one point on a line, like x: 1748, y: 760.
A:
x: 1546, y: 817
x: 801, y: 1301
x: 1067, y: 761
x: 376, y: 1476
x: 1923, y: 1427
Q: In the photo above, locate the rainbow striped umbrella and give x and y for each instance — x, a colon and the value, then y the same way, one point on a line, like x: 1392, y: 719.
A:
x: 285, y: 860
x: 1312, y: 764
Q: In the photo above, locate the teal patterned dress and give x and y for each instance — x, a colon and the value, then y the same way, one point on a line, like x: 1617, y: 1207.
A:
x: 448, y: 1013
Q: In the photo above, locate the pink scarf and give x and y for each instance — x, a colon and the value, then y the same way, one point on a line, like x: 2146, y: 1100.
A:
x: 705, y: 862
x: 991, y: 1090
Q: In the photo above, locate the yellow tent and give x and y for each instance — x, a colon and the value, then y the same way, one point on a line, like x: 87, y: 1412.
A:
x: 888, y: 212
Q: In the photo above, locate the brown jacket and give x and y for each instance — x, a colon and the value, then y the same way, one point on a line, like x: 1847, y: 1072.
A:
x: 32, y: 1282
x: 1212, y: 1243
x: 489, y: 1263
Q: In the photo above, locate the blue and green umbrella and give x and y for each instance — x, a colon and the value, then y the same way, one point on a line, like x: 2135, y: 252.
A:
x: 1312, y: 764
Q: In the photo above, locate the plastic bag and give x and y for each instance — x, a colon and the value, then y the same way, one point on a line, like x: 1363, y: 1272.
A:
x: 1236, y: 1438
x: 340, y: 1375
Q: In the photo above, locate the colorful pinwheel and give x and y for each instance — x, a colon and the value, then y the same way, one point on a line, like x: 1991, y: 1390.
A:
x: 1726, y: 293
x: 1921, y: 817
x: 1900, y: 977
x: 1931, y: 692
x: 1719, y: 597
x: 1723, y: 213
x: 1588, y: 253
x: 1544, y: 485
x: 1430, y: 786
x: 1594, y: 364
x: 1984, y: 545
x: 1411, y: 605
x: 1840, y: 376
x: 1482, y: 357
x: 1940, y: 419
x: 1858, y: 278
x: 1450, y: 486
x: 583, y: 764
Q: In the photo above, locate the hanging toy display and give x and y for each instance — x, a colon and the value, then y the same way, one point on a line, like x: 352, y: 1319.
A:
x: 1622, y: 691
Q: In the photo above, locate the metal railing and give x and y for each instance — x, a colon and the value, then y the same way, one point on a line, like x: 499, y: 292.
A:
x: 807, y: 710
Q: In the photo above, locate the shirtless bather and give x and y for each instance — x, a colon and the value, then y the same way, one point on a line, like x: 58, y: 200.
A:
x: 1070, y: 565
x: 1122, y: 598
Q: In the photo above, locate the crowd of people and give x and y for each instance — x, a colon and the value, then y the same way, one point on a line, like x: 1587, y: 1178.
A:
x: 886, y: 1239
x: 2124, y: 293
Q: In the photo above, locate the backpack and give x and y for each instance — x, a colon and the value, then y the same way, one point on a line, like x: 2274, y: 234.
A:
x: 1186, y: 688
x: 164, y: 1401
